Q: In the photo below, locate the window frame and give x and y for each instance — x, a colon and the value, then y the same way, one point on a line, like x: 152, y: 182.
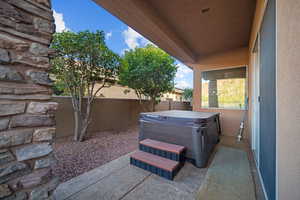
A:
x: 223, y: 68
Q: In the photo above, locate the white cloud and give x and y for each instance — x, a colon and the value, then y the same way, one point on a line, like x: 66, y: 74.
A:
x: 182, y: 84
x: 182, y: 71
x: 133, y: 39
x: 184, y: 76
x: 59, y: 22
x: 108, y: 35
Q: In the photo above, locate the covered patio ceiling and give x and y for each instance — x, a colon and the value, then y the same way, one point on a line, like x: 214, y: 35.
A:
x: 188, y: 29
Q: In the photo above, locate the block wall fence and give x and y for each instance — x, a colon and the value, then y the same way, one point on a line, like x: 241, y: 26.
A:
x: 27, y: 122
x: 108, y: 114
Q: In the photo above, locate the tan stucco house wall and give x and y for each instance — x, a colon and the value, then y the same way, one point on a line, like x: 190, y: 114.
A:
x: 288, y: 99
x: 230, y: 119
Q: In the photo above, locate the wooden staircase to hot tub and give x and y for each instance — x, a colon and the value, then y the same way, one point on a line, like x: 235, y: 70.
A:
x: 160, y: 158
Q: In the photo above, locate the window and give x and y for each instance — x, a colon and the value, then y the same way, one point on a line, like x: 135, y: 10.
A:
x: 224, y: 88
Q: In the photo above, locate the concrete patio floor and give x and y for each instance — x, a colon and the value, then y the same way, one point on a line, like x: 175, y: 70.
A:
x: 118, y: 180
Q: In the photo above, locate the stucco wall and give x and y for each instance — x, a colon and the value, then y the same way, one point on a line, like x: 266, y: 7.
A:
x: 108, y: 114
x: 230, y: 119
x: 288, y: 99
x: 123, y: 92
x: 231, y: 58
x: 116, y: 92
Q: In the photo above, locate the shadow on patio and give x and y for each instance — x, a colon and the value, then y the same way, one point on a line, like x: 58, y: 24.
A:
x: 230, y: 175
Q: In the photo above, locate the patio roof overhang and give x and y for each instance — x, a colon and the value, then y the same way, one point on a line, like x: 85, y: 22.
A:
x: 189, y: 30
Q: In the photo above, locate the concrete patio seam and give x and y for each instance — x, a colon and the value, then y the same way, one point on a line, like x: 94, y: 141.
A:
x: 135, y: 186
x: 92, y: 183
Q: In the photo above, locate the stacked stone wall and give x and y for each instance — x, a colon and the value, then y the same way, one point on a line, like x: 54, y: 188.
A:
x: 27, y: 123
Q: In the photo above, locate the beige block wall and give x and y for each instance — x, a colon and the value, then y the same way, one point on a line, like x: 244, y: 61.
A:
x: 108, y: 114
x: 230, y: 119
x: 288, y: 99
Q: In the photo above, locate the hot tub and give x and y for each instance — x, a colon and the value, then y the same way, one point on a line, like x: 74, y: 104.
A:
x: 198, y: 131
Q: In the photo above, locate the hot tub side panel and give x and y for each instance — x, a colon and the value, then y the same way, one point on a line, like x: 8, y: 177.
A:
x: 198, y: 137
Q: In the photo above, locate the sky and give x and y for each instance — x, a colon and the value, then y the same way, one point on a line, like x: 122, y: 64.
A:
x: 79, y: 15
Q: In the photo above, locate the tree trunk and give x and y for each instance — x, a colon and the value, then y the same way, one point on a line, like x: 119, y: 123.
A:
x: 83, y: 132
x: 86, y: 121
x: 153, y: 105
x: 76, y: 102
x: 77, y: 128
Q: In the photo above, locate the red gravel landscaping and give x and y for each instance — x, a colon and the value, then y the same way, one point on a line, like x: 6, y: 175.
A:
x: 75, y: 158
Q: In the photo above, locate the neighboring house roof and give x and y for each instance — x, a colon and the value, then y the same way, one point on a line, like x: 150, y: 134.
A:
x: 178, y: 91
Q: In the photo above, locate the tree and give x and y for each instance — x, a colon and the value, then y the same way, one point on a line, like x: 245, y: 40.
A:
x: 82, y: 59
x: 188, y: 94
x: 149, y: 71
x: 59, y: 88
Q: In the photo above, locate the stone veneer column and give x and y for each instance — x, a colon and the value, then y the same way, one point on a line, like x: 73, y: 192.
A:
x: 27, y: 123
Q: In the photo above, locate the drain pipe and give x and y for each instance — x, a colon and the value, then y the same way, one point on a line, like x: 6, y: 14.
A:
x: 240, y: 134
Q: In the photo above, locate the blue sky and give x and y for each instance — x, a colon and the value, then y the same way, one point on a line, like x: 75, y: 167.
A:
x: 77, y: 15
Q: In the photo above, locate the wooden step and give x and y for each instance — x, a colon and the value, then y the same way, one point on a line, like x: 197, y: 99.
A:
x: 163, y: 146
x: 170, y: 151
x: 155, y: 164
x: 154, y: 160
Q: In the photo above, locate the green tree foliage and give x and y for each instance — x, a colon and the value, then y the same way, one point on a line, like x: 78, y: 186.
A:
x: 59, y: 88
x: 82, y: 59
x: 188, y: 94
x: 149, y: 71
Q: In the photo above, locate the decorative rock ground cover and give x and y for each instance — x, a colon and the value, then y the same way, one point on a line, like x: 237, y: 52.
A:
x: 75, y: 158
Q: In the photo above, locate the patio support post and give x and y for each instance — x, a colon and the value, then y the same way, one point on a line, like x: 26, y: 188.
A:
x: 27, y: 123
x: 213, y: 94
x: 197, y: 89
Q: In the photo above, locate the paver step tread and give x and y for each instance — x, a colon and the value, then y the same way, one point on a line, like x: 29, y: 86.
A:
x: 156, y: 161
x: 163, y: 146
